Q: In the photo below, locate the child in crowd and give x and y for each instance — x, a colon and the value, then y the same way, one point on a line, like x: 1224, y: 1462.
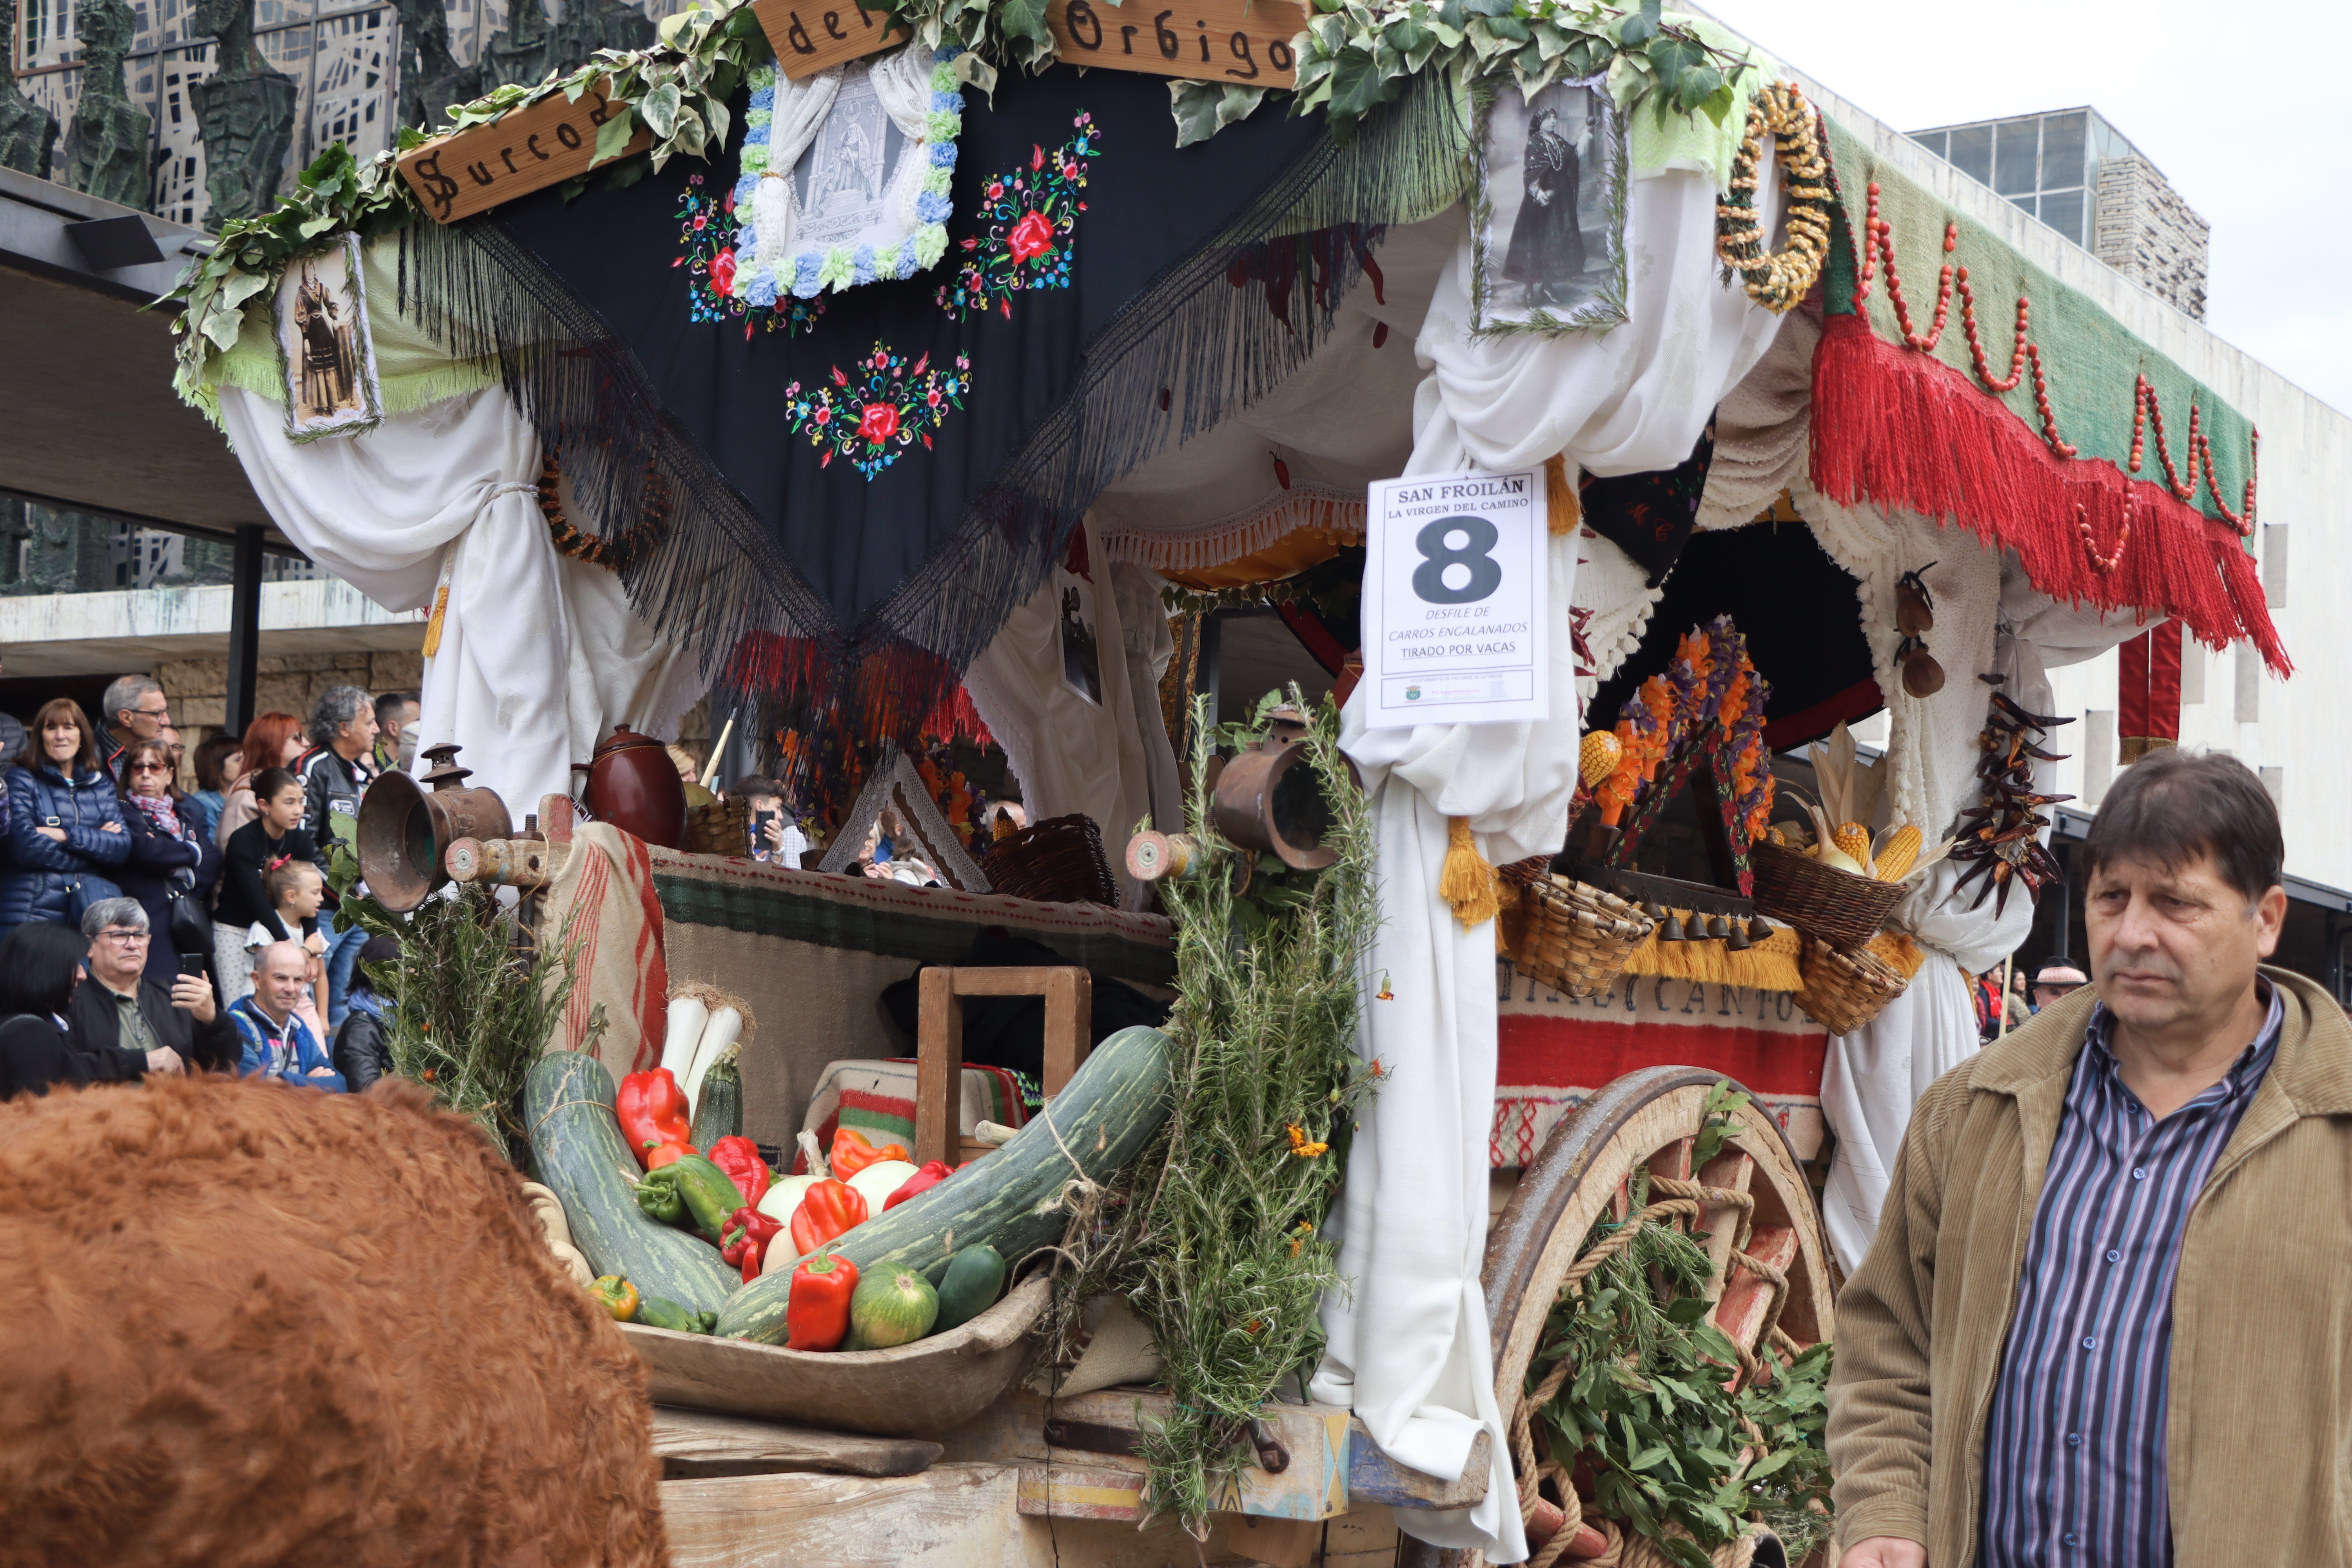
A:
x: 275, y: 835
x: 296, y: 891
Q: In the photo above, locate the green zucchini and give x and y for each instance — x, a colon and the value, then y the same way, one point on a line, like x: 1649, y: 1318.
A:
x: 568, y: 1104
x: 974, y: 1279
x: 718, y: 1110
x: 1011, y: 1200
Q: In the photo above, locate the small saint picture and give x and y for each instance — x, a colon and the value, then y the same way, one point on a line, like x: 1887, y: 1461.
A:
x: 1550, y: 249
x: 323, y: 339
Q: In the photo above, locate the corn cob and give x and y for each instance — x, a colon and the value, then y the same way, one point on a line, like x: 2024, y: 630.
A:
x: 1897, y: 853
x: 1598, y: 757
x: 1853, y: 838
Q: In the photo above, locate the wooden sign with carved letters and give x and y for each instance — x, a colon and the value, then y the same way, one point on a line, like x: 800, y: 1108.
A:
x: 810, y: 35
x: 1245, y: 42
x: 476, y: 169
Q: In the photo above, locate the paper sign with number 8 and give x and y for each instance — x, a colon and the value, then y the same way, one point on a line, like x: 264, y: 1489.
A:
x: 1436, y: 555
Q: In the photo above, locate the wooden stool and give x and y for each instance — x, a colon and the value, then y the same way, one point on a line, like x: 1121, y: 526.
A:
x: 939, y: 1043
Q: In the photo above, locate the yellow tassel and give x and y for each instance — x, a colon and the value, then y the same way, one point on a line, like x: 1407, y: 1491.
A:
x: 1467, y: 883
x: 1768, y: 964
x: 1899, y: 952
x: 1559, y: 497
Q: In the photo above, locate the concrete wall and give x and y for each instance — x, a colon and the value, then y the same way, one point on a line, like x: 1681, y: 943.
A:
x: 2295, y: 733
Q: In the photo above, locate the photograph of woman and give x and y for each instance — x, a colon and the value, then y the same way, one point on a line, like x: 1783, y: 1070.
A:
x: 1550, y: 255
x: 331, y: 377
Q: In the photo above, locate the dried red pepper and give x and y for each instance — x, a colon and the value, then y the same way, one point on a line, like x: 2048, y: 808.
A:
x: 816, y: 1313
x: 652, y: 1112
x: 827, y: 1210
x: 744, y: 1242
x: 932, y: 1173
x: 739, y: 1158
x: 852, y: 1153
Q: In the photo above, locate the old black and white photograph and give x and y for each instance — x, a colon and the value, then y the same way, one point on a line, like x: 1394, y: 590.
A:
x: 1551, y: 252
x: 323, y: 333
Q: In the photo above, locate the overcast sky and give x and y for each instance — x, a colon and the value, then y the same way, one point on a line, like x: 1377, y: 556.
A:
x: 2241, y: 106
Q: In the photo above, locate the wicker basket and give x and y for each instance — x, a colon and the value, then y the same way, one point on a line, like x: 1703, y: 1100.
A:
x: 721, y: 827
x: 1577, y: 937
x: 1057, y: 861
x: 1819, y: 900
x: 1845, y: 989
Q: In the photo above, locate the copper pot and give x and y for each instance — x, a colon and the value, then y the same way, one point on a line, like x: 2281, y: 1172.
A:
x: 1269, y: 798
x: 404, y: 830
x: 634, y: 785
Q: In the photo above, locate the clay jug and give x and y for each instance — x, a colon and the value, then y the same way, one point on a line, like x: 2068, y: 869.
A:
x: 634, y: 785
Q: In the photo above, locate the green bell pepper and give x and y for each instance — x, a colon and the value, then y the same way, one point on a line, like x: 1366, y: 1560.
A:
x: 691, y: 1188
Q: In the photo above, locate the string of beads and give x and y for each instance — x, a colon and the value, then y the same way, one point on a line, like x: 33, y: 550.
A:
x: 1778, y: 280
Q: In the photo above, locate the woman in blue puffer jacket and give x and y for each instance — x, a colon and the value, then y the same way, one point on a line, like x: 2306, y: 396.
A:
x: 65, y: 832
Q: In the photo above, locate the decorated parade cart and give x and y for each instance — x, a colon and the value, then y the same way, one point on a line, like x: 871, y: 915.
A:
x: 894, y: 379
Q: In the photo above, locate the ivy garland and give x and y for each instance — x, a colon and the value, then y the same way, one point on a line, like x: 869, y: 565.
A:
x: 1355, y: 56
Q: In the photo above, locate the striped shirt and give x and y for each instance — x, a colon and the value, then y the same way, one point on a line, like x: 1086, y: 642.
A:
x: 2073, y: 1463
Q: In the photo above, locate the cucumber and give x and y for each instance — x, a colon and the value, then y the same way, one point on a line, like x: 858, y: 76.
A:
x: 568, y: 1104
x: 1010, y: 1200
x: 719, y: 1112
x: 974, y: 1279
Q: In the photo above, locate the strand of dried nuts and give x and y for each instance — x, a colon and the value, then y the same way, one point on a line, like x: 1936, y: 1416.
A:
x: 1878, y: 245
x: 1778, y: 279
x: 2146, y: 411
x: 2109, y: 561
x: 613, y: 555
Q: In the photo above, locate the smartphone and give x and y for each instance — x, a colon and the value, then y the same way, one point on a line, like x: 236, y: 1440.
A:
x: 760, y: 820
x: 192, y: 963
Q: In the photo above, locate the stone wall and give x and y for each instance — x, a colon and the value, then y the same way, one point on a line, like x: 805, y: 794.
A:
x: 287, y: 683
x: 2145, y: 231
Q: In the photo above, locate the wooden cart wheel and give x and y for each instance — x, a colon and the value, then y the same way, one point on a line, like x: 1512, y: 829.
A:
x: 1651, y: 1119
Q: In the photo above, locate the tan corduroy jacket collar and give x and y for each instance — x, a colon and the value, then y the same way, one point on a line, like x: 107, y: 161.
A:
x: 2259, y: 1440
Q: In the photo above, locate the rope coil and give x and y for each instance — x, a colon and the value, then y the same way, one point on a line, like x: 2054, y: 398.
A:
x: 1680, y: 1200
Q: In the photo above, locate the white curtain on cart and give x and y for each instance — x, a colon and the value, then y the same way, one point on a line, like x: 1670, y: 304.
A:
x: 538, y: 655
x: 1410, y: 1345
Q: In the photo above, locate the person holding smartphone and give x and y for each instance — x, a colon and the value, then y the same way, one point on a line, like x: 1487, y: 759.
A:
x: 175, y: 1029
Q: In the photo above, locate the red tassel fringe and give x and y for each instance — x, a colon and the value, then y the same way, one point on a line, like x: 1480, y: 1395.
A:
x: 1898, y: 428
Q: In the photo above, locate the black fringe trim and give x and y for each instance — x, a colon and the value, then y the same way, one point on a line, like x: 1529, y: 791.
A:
x: 1192, y: 348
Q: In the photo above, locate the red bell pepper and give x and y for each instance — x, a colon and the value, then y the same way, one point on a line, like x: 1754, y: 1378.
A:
x: 816, y: 1313
x: 852, y: 1153
x: 827, y: 1210
x: 933, y: 1172
x: 739, y: 1158
x: 653, y: 1112
x: 745, y: 1240
x: 661, y: 1154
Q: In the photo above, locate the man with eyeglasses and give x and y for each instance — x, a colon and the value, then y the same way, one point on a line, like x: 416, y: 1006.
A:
x: 136, y: 709
x: 119, y: 1009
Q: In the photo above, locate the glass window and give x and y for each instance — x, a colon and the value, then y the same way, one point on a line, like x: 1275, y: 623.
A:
x: 2062, y: 210
x: 1971, y: 153
x: 2015, y: 147
x: 2065, y: 150
x: 1934, y: 141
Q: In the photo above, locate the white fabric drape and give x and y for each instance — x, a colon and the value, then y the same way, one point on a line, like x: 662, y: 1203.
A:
x: 1872, y: 1076
x: 538, y: 653
x: 1071, y: 754
x: 1143, y: 627
x: 802, y: 104
x: 1410, y: 1344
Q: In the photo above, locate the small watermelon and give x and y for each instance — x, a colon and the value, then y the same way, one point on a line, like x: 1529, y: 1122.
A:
x: 892, y: 1306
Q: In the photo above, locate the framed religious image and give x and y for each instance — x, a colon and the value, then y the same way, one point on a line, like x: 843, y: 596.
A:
x: 324, y: 349
x: 1547, y: 218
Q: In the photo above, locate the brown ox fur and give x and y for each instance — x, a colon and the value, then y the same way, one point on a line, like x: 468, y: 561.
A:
x: 244, y: 1325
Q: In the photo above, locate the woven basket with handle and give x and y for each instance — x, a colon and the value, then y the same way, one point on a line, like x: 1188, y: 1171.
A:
x: 1577, y: 937
x: 1819, y: 900
x: 1845, y: 988
x: 1057, y: 861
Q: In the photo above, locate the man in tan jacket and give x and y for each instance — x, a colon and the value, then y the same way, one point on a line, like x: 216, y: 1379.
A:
x: 2107, y: 1318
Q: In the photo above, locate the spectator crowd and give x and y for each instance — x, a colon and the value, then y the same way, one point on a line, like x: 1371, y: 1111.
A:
x: 148, y: 929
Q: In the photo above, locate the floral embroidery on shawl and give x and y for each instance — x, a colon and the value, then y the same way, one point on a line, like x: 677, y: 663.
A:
x: 885, y: 410
x: 1030, y: 214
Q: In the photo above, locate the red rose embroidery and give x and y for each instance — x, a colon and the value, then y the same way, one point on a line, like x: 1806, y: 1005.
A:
x: 700, y: 221
x: 995, y: 189
x: 878, y: 422
x: 722, y: 271
x: 1032, y: 236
